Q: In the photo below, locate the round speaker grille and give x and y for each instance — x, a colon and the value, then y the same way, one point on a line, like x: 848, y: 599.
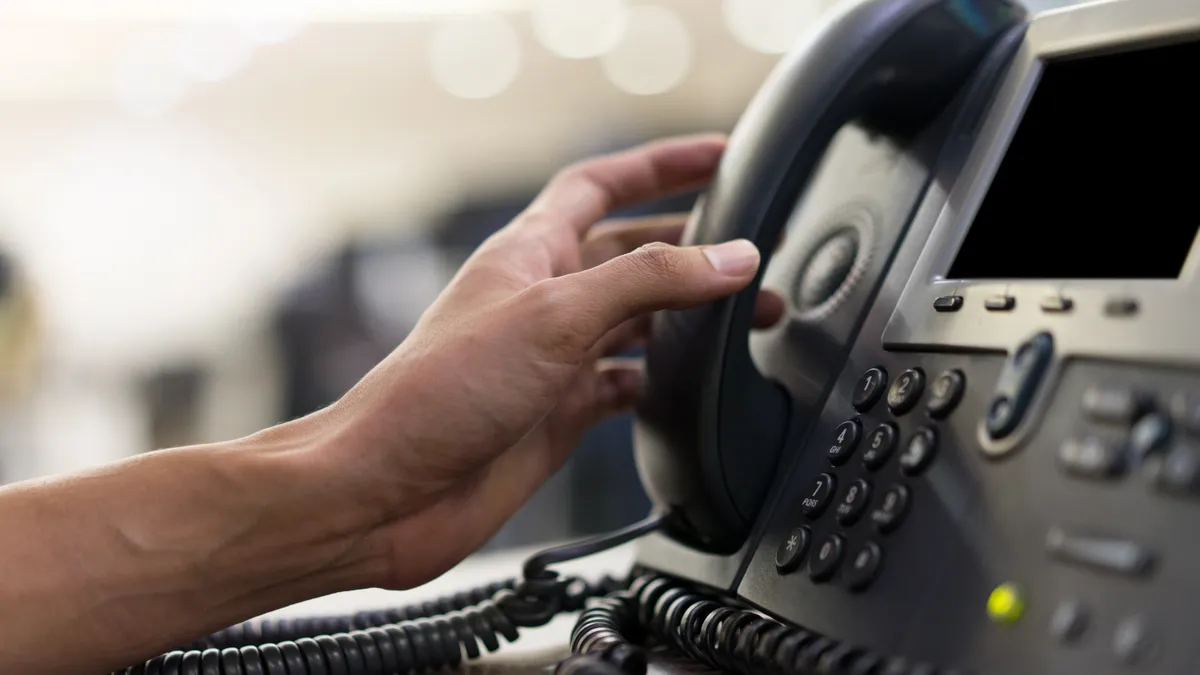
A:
x: 827, y: 269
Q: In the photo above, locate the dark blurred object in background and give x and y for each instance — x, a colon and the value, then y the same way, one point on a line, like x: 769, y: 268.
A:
x: 173, y: 404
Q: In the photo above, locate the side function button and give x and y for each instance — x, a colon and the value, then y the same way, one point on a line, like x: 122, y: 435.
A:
x: 792, y: 549
x: 845, y: 441
x: 1115, y: 405
x: 948, y: 303
x: 826, y: 558
x: 1179, y: 472
x: 1000, y: 303
x: 1069, y: 622
x: 1106, y: 554
x: 881, y: 443
x: 1056, y: 304
x: 1132, y: 641
x: 919, y: 452
x: 906, y: 391
x: 854, y: 502
x: 1091, y: 458
x: 864, y: 566
x: 892, y: 509
x: 945, y: 392
x: 1121, y: 306
x: 1186, y: 410
x: 869, y: 389
x: 1018, y: 382
x: 819, y: 496
x: 1150, y: 435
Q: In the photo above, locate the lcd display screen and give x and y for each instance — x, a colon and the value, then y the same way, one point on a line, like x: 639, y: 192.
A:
x: 1101, y: 180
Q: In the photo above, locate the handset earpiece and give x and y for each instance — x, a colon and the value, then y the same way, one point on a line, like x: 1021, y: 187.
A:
x: 710, y: 428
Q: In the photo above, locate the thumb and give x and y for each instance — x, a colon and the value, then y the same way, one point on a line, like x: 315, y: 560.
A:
x: 659, y: 276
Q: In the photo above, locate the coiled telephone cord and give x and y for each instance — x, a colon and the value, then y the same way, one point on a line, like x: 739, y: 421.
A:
x: 421, y: 638
x: 659, y: 611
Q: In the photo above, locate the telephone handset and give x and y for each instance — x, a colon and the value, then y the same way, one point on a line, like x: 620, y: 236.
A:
x: 710, y: 428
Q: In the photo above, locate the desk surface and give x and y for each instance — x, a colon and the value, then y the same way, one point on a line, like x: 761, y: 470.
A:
x: 538, y: 649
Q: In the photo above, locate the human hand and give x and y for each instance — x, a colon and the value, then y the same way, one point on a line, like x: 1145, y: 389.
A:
x: 415, y: 467
x: 485, y: 399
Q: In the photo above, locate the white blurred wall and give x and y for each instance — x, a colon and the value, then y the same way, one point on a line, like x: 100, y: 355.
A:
x: 168, y: 166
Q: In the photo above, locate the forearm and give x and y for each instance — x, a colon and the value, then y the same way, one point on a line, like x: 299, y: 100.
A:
x: 103, y: 569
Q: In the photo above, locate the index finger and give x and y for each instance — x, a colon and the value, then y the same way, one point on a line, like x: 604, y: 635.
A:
x: 583, y: 194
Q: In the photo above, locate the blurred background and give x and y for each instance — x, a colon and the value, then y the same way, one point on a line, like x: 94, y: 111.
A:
x: 216, y: 215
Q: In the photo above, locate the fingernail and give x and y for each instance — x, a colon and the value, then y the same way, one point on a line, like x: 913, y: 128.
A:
x: 733, y: 258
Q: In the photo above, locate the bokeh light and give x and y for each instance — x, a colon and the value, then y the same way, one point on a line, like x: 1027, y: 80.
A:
x: 653, y: 56
x: 771, y: 26
x: 475, y: 56
x: 579, y: 29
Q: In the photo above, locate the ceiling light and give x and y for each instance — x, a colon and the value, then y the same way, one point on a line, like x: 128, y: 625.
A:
x: 653, y: 56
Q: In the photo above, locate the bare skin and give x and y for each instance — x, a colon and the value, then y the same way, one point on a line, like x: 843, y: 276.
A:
x: 412, y: 470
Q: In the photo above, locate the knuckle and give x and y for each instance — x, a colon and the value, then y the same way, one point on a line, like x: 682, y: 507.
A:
x: 659, y: 259
x: 587, y: 178
x: 554, y: 316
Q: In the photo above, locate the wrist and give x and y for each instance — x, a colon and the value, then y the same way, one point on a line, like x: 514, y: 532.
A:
x: 304, y: 515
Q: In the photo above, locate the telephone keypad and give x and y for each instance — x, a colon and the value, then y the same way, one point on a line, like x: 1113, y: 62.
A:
x: 854, y: 502
x: 845, y: 441
x: 906, y: 391
x: 892, y: 509
x: 881, y: 443
x: 827, y: 557
x: 819, y: 496
x: 864, y: 566
x: 919, y: 452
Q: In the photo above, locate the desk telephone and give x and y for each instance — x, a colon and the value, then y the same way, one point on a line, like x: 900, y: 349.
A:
x: 974, y: 444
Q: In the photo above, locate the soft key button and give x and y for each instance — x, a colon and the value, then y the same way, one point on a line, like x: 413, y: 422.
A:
x: 1114, y: 405
x: 1179, y: 472
x: 1107, y: 554
x: 1091, y: 458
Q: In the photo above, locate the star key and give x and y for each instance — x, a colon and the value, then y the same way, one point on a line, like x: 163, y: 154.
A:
x: 792, y: 549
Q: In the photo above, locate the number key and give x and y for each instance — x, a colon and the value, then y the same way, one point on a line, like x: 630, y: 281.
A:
x: 869, y: 389
x: 845, y: 441
x: 906, y: 391
x: 881, y: 443
x: 819, y: 496
x: 854, y: 502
